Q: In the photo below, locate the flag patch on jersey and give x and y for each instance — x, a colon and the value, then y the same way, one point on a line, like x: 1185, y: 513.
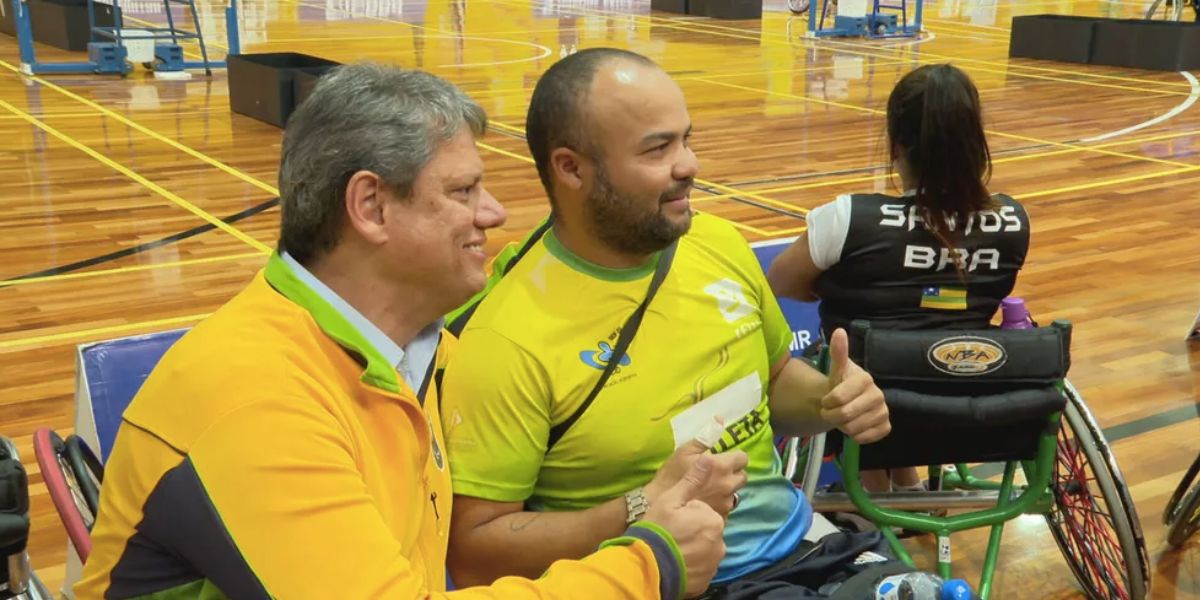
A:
x: 944, y: 297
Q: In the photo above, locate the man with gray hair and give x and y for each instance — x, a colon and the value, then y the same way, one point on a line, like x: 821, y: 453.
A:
x: 290, y: 446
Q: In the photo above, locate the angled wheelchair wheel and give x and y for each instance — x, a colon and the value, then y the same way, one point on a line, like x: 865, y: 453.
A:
x: 1165, y: 10
x: 64, y: 490
x: 1093, y: 518
x: 1182, y: 515
x: 86, y: 469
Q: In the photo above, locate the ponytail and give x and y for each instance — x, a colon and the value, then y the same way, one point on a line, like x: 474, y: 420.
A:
x: 936, y: 125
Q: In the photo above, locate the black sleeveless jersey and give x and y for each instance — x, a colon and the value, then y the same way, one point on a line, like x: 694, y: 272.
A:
x: 896, y: 274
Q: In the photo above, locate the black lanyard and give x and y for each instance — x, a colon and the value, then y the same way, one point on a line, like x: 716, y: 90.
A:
x: 628, y: 330
x: 428, y: 373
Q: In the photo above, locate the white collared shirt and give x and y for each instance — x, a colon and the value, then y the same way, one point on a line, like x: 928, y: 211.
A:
x: 413, y: 362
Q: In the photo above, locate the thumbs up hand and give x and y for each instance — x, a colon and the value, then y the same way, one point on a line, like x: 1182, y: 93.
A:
x: 728, y: 471
x: 854, y: 403
x: 697, y: 529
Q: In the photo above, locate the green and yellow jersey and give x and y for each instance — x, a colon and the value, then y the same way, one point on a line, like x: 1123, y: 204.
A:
x: 537, y: 344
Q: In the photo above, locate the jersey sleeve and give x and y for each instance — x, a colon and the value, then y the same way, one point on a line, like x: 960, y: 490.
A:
x: 828, y: 226
x: 496, y: 413
x: 313, y: 530
x: 777, y: 333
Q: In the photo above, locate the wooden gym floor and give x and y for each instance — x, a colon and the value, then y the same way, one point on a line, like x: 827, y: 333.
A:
x: 141, y: 205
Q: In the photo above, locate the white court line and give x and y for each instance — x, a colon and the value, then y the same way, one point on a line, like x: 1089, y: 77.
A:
x: 545, y: 50
x: 969, y: 24
x: 920, y: 40
x: 1182, y: 106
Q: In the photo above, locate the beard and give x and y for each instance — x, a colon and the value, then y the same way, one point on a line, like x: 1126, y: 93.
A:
x: 622, y: 222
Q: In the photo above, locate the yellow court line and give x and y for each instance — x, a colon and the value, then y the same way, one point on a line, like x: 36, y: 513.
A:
x: 868, y: 178
x: 956, y: 27
x: 731, y: 192
x: 995, y: 28
x: 1072, y: 188
x: 492, y: 92
x: 154, y: 134
x: 63, y: 115
x: 954, y: 34
x: 92, y: 115
x: 999, y: 161
x: 788, y: 232
x: 1005, y: 36
x: 1108, y: 182
x: 884, y: 62
x: 491, y: 148
x: 392, y: 35
x: 503, y: 125
x: 99, y: 331
x: 131, y: 269
x: 1095, y: 149
x: 804, y: 186
x: 126, y: 171
x: 988, y: 131
x: 1006, y: 159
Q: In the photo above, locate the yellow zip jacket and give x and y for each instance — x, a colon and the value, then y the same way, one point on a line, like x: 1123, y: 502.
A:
x: 273, y: 453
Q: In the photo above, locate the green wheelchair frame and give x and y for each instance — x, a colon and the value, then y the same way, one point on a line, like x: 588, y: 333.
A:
x: 1112, y: 566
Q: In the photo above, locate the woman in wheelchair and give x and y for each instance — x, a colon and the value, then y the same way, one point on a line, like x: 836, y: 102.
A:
x: 941, y: 255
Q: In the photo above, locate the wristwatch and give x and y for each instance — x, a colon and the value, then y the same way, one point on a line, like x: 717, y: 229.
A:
x: 635, y: 505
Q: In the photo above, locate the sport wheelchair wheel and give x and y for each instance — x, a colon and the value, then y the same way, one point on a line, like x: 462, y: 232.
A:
x: 1182, y: 515
x: 1093, y: 517
x: 1166, y: 10
x: 798, y: 7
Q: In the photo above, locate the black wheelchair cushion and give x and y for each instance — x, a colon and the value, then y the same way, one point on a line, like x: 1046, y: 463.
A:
x: 992, y: 409
x: 962, y: 396
x: 965, y: 359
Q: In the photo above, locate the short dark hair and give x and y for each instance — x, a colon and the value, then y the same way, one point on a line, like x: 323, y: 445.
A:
x: 554, y: 119
x: 364, y: 116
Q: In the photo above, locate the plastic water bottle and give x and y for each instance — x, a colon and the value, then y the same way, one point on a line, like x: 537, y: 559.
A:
x: 1014, y: 314
x: 957, y: 589
x: 922, y: 586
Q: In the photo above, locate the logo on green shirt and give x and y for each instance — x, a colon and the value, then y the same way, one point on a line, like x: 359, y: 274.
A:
x: 599, y: 358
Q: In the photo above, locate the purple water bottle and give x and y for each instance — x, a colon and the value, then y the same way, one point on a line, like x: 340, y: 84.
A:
x: 1014, y: 314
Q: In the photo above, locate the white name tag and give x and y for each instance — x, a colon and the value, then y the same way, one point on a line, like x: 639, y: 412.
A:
x: 730, y: 404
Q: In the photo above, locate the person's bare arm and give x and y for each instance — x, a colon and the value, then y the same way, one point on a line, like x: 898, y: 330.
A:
x: 793, y: 274
x: 805, y: 402
x: 489, y: 540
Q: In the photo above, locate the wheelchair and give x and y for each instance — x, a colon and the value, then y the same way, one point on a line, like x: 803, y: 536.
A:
x: 1182, y: 514
x: 1172, y: 10
x: 73, y: 475
x: 989, y: 396
x: 17, y: 579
